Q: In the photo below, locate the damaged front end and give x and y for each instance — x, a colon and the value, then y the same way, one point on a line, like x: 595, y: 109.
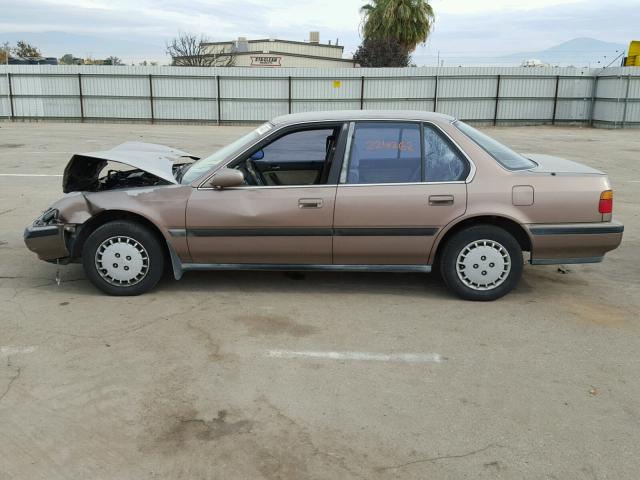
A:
x: 48, y: 236
x: 53, y: 236
x: 152, y: 165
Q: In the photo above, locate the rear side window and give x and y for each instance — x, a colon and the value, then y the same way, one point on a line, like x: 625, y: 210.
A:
x: 503, y: 154
x: 385, y: 152
x: 443, y: 162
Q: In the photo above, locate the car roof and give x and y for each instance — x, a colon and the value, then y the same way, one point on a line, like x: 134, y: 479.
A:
x: 347, y: 115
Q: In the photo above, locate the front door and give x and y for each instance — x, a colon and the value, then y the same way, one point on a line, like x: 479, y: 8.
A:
x: 284, y: 212
x: 401, y: 182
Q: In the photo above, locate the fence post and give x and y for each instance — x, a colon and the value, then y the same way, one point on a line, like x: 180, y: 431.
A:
x: 362, y: 92
x: 594, y: 92
x: 80, y: 97
x: 10, y: 97
x: 151, y: 99
x: 555, y: 101
x: 626, y: 101
x: 218, y: 98
x: 290, y: 110
x: 435, y: 95
x: 495, y: 112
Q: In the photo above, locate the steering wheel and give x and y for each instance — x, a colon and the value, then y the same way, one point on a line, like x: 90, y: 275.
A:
x: 250, y: 167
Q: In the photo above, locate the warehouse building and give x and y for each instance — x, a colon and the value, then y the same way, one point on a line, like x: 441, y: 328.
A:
x: 275, y: 53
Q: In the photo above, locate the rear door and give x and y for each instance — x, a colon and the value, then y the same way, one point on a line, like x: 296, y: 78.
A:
x: 400, y: 183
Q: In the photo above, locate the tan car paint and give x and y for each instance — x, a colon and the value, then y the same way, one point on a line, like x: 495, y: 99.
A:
x: 561, y: 198
x: 550, y: 247
x: 558, y: 199
x: 163, y: 206
x: 261, y: 207
x: 389, y: 206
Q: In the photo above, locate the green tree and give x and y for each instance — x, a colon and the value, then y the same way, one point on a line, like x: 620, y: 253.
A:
x: 26, y: 51
x: 408, y: 21
x: 67, y: 59
x: 375, y: 52
x: 113, y: 61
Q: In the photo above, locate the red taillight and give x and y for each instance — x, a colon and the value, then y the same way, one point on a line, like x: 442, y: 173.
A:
x: 606, y: 202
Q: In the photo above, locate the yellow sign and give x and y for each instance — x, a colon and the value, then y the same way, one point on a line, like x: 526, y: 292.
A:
x: 337, y: 84
x: 633, y: 58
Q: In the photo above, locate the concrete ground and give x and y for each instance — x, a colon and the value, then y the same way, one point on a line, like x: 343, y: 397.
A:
x: 195, y: 379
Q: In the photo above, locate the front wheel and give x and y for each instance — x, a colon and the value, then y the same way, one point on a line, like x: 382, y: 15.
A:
x: 482, y: 262
x: 123, y: 258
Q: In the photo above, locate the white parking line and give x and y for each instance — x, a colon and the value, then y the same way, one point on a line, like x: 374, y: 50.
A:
x: 7, y: 350
x: 29, y: 175
x: 366, y: 356
x: 36, y: 152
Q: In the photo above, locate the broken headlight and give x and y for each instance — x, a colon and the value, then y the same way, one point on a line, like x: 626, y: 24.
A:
x: 49, y: 217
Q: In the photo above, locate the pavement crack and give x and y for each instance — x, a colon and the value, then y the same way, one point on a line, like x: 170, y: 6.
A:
x: 441, y: 457
x: 13, y: 380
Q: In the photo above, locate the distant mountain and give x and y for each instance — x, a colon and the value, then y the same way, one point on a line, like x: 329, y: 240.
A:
x: 580, y: 52
x: 56, y: 44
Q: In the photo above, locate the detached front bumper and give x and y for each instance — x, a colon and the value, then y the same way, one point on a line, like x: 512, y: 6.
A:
x: 48, y: 241
x: 573, y: 242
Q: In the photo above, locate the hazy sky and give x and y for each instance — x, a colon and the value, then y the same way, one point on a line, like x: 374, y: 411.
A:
x: 139, y: 28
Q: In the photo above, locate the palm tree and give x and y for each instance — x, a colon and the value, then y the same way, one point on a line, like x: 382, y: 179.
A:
x: 407, y: 21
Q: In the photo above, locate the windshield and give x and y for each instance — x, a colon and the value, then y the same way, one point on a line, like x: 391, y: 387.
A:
x: 202, y: 166
x: 504, y: 155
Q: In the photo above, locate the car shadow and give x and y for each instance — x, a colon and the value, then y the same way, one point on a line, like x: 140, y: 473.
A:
x: 335, y: 283
x: 431, y: 285
x: 307, y: 282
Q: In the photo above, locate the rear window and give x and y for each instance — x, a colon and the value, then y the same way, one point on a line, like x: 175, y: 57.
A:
x: 504, y: 155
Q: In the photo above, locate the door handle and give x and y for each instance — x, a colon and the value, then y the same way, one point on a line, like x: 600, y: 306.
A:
x: 310, y: 203
x: 440, y: 200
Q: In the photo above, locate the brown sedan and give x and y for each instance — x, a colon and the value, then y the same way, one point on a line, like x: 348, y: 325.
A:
x: 350, y: 190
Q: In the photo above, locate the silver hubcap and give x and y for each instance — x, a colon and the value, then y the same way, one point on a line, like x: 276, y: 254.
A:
x: 122, y: 261
x: 483, y: 265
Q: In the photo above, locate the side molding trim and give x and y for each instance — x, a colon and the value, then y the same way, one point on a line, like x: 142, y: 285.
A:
x: 577, y: 230
x: 558, y: 261
x: 307, y: 268
x: 305, y: 232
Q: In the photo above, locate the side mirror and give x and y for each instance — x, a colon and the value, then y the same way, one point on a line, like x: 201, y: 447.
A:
x: 258, y: 155
x: 227, y: 177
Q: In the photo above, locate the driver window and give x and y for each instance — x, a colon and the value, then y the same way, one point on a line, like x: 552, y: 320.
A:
x: 297, y: 158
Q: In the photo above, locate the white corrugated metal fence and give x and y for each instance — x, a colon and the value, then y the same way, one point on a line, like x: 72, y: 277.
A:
x: 609, y: 97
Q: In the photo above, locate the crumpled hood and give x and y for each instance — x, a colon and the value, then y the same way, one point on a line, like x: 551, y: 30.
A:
x: 81, y: 173
x: 551, y: 164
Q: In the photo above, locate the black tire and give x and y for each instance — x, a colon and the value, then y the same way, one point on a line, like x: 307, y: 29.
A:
x: 123, y: 235
x: 462, y: 283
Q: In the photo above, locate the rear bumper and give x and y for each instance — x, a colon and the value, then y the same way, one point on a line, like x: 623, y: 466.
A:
x: 48, y: 241
x: 574, y: 242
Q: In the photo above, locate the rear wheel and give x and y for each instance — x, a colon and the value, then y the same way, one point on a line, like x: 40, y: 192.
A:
x: 482, y: 262
x: 123, y: 258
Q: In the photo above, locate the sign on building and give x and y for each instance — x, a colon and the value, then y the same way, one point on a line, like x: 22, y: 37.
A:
x: 266, y: 61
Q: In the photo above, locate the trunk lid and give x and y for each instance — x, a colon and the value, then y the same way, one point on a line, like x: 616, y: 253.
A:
x: 551, y: 164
